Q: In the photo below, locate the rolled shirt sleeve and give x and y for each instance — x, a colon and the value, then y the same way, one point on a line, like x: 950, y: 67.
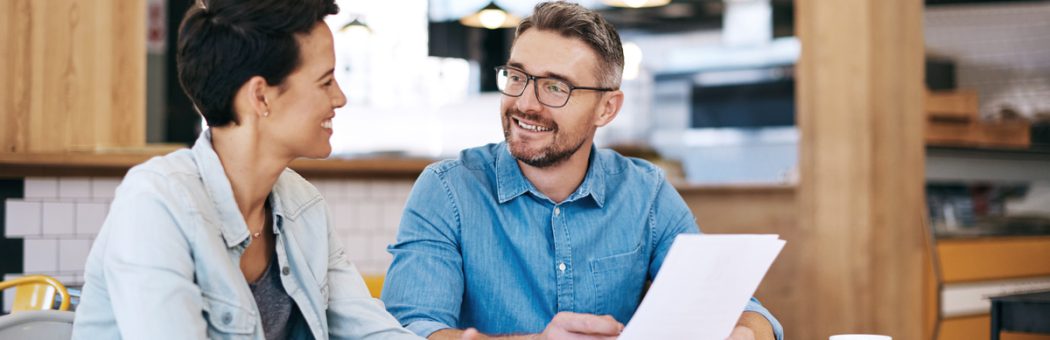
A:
x: 424, y: 285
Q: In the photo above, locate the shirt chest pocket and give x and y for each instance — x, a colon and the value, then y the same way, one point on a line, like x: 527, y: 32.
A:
x: 227, y: 320
x: 618, y: 281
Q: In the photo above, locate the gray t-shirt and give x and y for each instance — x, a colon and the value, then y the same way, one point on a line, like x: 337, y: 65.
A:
x: 278, y: 311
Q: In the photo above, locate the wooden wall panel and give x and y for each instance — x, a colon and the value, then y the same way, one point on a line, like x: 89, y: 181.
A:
x: 15, y: 70
x: 860, y: 102
x: 75, y: 75
x: 128, y: 67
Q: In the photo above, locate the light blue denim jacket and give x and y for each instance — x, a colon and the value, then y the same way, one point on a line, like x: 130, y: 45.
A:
x: 166, y: 262
x: 479, y: 246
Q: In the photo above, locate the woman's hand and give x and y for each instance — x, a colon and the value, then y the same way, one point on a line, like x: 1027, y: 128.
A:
x: 741, y: 333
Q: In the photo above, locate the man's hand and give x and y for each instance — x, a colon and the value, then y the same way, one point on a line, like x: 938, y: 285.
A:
x: 566, y: 325
x: 752, y: 326
x: 472, y: 334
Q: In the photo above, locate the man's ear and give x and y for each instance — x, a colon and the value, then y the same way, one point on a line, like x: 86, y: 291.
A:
x: 609, y: 107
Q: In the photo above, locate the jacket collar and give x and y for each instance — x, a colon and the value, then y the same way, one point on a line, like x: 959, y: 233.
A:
x: 234, y: 230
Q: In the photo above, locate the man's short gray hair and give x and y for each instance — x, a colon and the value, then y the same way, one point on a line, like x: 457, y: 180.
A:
x: 574, y: 21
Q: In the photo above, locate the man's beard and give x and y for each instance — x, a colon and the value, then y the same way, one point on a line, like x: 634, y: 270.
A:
x: 550, y: 155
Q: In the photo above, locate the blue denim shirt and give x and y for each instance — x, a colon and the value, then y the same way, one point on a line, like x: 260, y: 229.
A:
x: 166, y: 264
x: 479, y: 246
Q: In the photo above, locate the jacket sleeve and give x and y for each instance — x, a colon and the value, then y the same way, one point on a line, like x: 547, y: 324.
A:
x: 148, y: 265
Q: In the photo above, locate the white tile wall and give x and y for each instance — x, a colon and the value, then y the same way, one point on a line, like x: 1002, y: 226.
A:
x: 89, y: 217
x: 104, y: 188
x: 382, y: 189
x: 72, y: 254
x: 40, y: 256
x: 369, y: 216
x: 74, y: 187
x: 60, y: 217
x: 392, y: 215
x: 357, y: 189
x: 342, y: 214
x: 41, y: 187
x: 21, y: 218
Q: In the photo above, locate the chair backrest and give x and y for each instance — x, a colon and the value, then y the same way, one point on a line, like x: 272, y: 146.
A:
x: 37, y: 325
x: 36, y: 292
x: 374, y: 284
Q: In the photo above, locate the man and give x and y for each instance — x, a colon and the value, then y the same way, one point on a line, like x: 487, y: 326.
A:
x: 543, y: 233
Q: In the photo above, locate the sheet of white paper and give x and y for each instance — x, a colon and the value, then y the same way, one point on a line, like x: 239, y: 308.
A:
x: 703, y: 286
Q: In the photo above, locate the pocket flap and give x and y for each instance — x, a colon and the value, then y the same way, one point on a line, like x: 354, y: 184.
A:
x: 618, y: 261
x: 228, y: 317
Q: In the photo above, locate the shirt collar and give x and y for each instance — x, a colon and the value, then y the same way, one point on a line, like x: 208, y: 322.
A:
x: 234, y: 230
x: 511, y: 183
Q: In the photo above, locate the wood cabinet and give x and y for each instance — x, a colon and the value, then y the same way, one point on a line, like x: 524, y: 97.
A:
x: 970, y: 269
x: 74, y: 75
x: 985, y: 259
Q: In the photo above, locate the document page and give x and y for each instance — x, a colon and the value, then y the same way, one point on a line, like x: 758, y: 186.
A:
x: 703, y: 286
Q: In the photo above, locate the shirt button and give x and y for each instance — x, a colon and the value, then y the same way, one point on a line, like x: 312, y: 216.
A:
x: 557, y: 211
x: 286, y: 270
x: 561, y: 266
x: 227, y: 318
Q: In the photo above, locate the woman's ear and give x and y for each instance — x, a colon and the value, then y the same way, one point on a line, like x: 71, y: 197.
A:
x: 257, y: 89
x: 251, y: 103
x: 609, y: 108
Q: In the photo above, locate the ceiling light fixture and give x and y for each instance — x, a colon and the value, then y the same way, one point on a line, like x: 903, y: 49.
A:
x: 357, y: 28
x: 491, y: 17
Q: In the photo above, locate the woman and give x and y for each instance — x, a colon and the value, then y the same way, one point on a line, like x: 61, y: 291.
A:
x: 223, y: 240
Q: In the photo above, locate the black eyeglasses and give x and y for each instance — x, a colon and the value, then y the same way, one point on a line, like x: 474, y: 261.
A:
x: 551, y: 92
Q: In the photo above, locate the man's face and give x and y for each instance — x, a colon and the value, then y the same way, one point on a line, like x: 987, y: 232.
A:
x: 539, y: 135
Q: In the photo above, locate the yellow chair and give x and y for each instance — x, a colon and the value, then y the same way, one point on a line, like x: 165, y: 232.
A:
x: 36, y: 292
x: 375, y: 284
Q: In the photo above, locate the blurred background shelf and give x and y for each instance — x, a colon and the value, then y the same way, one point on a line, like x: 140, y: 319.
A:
x: 951, y: 163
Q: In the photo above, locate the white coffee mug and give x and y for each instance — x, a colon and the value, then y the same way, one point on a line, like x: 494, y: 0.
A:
x: 859, y: 337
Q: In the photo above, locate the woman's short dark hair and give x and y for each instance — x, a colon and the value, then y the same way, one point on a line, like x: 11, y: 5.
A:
x: 223, y: 43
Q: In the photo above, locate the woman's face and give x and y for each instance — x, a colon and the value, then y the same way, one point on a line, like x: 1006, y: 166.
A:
x: 299, y: 123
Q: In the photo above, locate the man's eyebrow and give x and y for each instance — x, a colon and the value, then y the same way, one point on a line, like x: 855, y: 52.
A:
x: 557, y: 76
